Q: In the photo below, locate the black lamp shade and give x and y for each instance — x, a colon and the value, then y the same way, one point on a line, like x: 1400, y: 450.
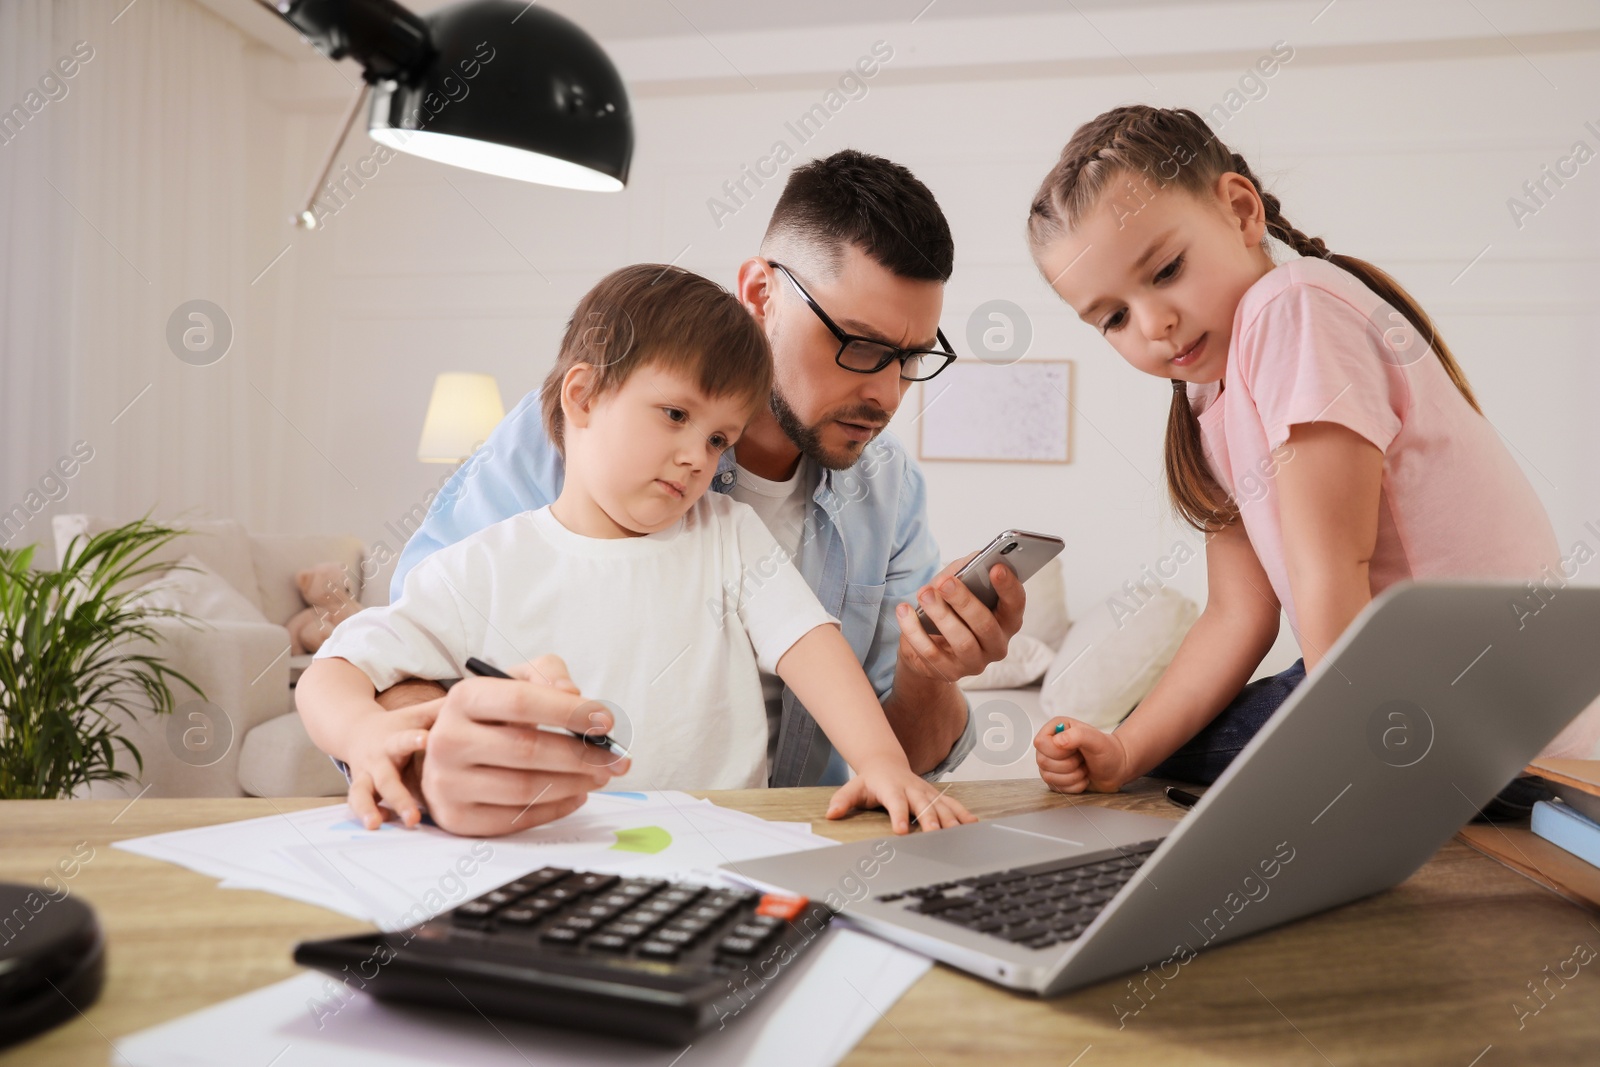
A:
x: 513, y: 89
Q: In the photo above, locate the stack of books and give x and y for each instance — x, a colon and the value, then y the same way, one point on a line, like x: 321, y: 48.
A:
x: 1572, y: 820
x: 1560, y: 849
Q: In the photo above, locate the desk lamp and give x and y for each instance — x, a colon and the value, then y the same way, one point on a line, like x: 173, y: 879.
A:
x: 498, y: 86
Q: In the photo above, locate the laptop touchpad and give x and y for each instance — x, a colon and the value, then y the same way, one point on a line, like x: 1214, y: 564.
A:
x: 980, y: 846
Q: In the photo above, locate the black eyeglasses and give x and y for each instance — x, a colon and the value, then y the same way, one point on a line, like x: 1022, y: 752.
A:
x: 867, y: 356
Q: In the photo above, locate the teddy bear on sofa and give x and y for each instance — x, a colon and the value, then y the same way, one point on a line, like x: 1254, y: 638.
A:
x: 331, y: 596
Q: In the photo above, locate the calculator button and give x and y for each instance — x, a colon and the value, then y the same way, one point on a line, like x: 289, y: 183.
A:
x: 609, y: 942
x: 561, y: 934
x: 593, y: 883
x: 781, y: 907
x: 518, y: 916
x: 674, y: 937
x: 473, y: 913
x: 628, y: 930
x: 580, y: 922
x: 754, y: 933
x: 659, y: 950
x: 737, y: 946
x: 499, y: 896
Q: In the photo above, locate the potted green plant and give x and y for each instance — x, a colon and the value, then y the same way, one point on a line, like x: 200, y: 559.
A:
x: 67, y: 660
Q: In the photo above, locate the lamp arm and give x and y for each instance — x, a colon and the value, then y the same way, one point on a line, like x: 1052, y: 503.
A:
x: 388, y: 41
x: 307, y: 219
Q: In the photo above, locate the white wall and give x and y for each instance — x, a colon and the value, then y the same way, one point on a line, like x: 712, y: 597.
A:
x: 1398, y: 133
x: 1405, y: 156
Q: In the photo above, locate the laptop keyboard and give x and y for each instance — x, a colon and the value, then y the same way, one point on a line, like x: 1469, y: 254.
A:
x: 1035, y: 906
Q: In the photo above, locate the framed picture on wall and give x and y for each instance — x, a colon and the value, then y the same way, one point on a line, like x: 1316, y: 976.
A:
x: 1019, y: 413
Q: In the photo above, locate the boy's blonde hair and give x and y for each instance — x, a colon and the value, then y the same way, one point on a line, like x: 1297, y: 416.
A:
x: 651, y: 314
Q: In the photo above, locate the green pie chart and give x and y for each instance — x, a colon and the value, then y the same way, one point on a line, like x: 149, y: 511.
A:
x: 649, y: 839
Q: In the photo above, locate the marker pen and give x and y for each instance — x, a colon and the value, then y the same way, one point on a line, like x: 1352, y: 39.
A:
x: 478, y: 667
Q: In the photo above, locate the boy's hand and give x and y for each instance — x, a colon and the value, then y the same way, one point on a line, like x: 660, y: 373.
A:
x: 1080, y: 757
x: 382, y: 747
x: 903, y: 794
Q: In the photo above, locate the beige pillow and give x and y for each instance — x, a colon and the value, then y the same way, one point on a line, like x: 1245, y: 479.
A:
x: 1110, y: 660
x: 201, y: 592
x: 1025, y: 662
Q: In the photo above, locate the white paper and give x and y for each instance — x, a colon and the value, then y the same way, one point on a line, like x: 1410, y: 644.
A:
x: 816, y: 1012
x: 395, y: 877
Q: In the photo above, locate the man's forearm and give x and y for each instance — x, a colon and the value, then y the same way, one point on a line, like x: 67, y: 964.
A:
x: 409, y: 691
x: 927, y: 716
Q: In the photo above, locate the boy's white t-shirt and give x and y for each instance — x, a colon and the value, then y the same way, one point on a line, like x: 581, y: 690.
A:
x: 670, y: 629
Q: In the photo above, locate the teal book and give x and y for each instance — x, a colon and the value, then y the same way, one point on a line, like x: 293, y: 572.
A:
x: 1567, y: 829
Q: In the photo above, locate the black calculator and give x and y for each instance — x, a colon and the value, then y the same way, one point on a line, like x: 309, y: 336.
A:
x: 644, y: 958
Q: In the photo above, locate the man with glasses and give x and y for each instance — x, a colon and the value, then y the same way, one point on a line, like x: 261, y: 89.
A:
x: 849, y: 286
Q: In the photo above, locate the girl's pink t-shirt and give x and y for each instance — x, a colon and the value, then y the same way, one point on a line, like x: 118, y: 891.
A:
x: 1312, y: 343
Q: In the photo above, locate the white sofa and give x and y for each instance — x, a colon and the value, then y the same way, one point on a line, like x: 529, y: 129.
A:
x: 245, y: 739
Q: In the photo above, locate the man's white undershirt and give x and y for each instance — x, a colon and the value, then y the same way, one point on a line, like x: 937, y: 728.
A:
x: 782, y: 508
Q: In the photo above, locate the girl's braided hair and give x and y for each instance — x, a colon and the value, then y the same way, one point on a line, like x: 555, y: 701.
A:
x: 1174, y: 148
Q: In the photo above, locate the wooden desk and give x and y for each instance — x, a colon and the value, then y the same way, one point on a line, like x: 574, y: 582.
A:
x: 1429, y: 972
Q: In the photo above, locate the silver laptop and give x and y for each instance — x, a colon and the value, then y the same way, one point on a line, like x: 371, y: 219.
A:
x: 1432, y: 701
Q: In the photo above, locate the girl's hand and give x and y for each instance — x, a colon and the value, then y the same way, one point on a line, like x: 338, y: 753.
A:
x: 903, y: 794
x: 1080, y: 757
x: 382, y: 748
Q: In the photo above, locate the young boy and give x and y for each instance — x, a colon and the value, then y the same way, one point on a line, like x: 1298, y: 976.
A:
x: 660, y: 599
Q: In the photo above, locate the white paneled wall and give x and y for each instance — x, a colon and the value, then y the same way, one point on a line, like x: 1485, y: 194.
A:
x: 1404, y: 159
x: 1397, y: 139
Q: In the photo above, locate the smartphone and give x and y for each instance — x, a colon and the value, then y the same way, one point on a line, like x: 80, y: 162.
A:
x: 1022, y: 551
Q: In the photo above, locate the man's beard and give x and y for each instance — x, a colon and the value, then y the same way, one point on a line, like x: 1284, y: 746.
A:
x: 807, y: 438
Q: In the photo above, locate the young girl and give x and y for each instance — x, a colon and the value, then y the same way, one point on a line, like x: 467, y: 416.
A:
x: 1321, y: 434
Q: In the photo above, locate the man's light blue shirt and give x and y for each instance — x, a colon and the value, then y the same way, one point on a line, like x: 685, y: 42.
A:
x: 866, y: 548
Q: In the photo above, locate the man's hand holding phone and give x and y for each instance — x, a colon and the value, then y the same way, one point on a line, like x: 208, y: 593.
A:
x: 965, y: 618
x: 970, y: 636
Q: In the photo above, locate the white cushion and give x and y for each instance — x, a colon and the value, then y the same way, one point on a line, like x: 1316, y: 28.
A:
x: 377, y: 571
x: 1024, y: 664
x: 1112, y: 658
x: 1044, y: 616
x: 200, y: 592
x: 1004, y: 721
x: 278, y: 759
x: 222, y: 544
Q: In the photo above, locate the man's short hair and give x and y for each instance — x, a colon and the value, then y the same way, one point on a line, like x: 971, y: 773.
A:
x: 651, y: 314
x: 854, y: 198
